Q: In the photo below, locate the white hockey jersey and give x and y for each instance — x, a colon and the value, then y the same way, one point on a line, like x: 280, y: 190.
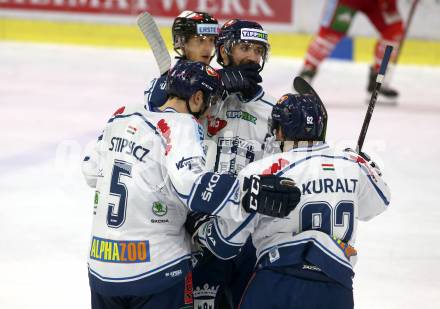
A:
x: 237, y: 130
x: 338, y: 189
x: 148, y: 169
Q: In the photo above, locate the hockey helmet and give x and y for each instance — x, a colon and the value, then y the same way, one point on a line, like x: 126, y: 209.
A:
x: 189, y: 24
x: 235, y: 31
x: 187, y: 77
x: 301, y: 117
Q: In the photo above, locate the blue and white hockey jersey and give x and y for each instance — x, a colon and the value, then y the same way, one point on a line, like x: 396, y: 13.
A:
x: 148, y: 170
x: 238, y: 130
x: 338, y: 189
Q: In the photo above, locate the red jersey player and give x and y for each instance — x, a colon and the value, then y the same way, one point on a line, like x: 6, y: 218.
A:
x: 338, y: 15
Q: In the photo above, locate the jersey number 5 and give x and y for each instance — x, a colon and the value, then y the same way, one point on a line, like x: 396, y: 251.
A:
x: 321, y: 216
x: 116, y: 214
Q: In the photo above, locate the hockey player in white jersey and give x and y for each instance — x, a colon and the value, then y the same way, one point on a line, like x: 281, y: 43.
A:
x: 306, y: 259
x: 237, y: 128
x: 148, y: 171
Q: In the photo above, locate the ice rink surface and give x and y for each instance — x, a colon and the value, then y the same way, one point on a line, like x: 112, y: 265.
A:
x: 56, y: 99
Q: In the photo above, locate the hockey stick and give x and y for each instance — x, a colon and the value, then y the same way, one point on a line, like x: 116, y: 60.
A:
x: 303, y: 87
x: 405, y: 32
x: 149, y: 28
x: 379, y: 79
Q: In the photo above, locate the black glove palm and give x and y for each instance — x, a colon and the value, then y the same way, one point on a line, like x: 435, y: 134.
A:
x: 194, y: 220
x: 270, y: 195
x: 243, y: 78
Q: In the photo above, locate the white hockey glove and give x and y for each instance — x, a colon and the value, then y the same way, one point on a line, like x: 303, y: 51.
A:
x: 367, y: 159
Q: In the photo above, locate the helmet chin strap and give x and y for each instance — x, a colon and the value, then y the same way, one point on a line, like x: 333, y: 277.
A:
x: 195, y: 114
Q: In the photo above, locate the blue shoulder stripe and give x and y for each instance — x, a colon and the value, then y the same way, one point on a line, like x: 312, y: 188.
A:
x: 138, y: 115
x: 241, y: 226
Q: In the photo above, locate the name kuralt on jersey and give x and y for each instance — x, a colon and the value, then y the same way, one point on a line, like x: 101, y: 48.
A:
x: 329, y: 185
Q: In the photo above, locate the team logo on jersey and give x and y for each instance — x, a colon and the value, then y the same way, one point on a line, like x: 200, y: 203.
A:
x: 276, y: 167
x: 205, y: 297
x: 242, y: 115
x: 159, y: 209
x: 166, y: 133
x: 96, y: 201
x: 215, y: 125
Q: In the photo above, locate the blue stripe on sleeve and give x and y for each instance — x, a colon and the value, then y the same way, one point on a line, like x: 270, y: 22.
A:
x: 242, y: 226
x: 217, y: 245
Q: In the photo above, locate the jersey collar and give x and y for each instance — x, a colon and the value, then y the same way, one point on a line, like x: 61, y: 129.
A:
x: 169, y: 110
x: 257, y: 96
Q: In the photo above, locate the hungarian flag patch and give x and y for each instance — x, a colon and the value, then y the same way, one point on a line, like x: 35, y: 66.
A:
x: 131, y: 130
x: 328, y: 166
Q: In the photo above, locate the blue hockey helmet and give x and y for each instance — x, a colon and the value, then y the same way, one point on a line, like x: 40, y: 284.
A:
x: 235, y: 31
x: 300, y: 117
x: 187, y: 77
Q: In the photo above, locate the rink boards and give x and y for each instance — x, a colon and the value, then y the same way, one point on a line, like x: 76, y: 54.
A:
x: 420, y: 52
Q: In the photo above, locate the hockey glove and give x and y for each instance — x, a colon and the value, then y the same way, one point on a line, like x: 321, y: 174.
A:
x: 270, y: 195
x: 242, y: 78
x: 366, y: 159
x: 194, y: 220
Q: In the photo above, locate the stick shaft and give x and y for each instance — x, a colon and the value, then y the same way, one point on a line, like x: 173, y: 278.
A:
x: 371, y: 105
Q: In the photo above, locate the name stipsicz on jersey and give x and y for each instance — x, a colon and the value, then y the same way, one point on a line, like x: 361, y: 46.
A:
x: 120, y: 144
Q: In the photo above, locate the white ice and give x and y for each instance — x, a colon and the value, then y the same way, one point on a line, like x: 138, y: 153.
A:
x: 54, y: 101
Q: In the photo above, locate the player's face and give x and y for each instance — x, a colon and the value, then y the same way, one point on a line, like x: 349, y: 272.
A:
x: 243, y: 53
x: 200, y: 48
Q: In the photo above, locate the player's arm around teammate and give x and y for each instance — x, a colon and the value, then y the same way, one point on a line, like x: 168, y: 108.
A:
x: 148, y: 172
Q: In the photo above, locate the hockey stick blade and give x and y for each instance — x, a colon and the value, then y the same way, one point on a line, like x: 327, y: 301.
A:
x: 150, y: 31
x: 303, y: 87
